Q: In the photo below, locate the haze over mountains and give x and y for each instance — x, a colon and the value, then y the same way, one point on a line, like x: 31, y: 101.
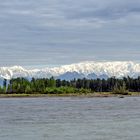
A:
x: 90, y: 70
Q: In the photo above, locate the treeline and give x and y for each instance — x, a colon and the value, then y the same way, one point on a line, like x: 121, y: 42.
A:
x: 53, y: 86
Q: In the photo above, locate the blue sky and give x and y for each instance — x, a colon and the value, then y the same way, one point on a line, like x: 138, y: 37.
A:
x: 56, y: 32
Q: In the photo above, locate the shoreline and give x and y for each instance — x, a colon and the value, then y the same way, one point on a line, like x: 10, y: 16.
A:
x: 88, y: 95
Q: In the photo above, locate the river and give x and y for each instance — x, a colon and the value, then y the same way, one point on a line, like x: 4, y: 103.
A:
x: 66, y: 118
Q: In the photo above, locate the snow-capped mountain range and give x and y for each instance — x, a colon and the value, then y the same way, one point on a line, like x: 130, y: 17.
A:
x: 90, y: 69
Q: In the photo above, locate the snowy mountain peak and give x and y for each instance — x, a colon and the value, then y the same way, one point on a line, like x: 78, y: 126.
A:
x: 83, y: 69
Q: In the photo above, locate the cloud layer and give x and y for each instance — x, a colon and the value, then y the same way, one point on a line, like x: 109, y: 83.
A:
x: 55, y: 32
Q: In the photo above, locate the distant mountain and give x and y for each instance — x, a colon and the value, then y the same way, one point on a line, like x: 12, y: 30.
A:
x: 70, y: 76
x: 91, y: 70
x: 92, y: 76
x: 1, y: 81
x: 103, y: 76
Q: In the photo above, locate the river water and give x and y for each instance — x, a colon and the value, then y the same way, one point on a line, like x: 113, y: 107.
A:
x: 70, y: 118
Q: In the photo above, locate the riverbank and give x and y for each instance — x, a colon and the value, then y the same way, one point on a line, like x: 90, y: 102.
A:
x: 97, y: 94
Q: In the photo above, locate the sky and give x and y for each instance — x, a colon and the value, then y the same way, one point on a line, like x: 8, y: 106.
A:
x: 56, y: 32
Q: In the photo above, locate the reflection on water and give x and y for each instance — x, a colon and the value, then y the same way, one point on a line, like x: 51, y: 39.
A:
x: 70, y: 118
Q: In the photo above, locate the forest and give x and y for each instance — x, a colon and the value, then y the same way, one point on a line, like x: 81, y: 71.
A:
x: 57, y: 86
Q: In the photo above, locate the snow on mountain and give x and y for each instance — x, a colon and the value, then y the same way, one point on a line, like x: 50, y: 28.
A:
x: 89, y: 70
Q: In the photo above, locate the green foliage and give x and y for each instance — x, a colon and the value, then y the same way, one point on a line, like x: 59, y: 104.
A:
x: 52, y: 82
x: 60, y: 90
x: 52, y: 86
x: 83, y: 90
x: 2, y: 90
x: 28, y: 89
x: 120, y: 89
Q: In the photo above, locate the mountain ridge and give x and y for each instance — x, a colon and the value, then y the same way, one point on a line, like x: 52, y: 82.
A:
x: 86, y: 69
